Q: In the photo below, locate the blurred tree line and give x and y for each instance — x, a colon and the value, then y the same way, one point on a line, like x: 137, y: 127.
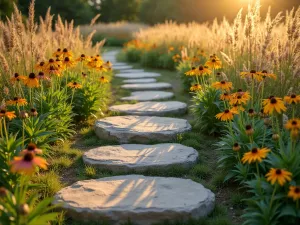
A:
x: 146, y: 11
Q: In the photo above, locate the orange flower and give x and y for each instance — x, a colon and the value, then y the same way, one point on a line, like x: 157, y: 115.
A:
x: 40, y: 66
x: 27, y: 163
x: 264, y: 74
x: 225, y: 96
x: 294, y: 193
x: 83, y: 58
x: 31, y: 147
x: 223, y: 85
x: 255, y: 155
x: 58, y: 53
x: 74, y: 85
x: 292, y: 99
x: 103, y: 80
x: 17, y: 78
x: 31, y: 81
x: 214, y: 62
x: 10, y: 115
x: 226, y: 115
x: 17, y: 101
x: 67, y: 53
x: 273, y: 103
x: 279, y: 175
x: 68, y: 63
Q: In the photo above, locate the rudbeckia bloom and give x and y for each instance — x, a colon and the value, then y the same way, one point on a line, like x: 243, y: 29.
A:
x: 67, y: 53
x: 74, y: 85
x: 255, y: 155
x: 10, y: 115
x: 95, y: 63
x: 52, y: 63
x: 17, y: 101
x: 108, y: 64
x: 272, y: 104
x: 171, y: 48
x: 292, y: 99
x: 101, y: 69
x: 294, y: 193
x: 103, y: 80
x: 27, y: 163
x: 194, y: 59
x: 83, y: 58
x: 214, y: 63
x: 222, y: 85
x: 265, y: 74
x: 17, y: 78
x: 31, y: 147
x: 68, y: 63
x: 239, y: 98
x: 225, y: 96
x: 42, y: 76
x: 226, y: 115
x: 292, y: 124
x: 195, y: 87
x: 280, y: 176
x: 190, y: 72
x: 202, y: 70
x: 251, y: 74
x: 31, y: 81
x: 58, y: 53
x: 238, y: 108
x: 40, y: 66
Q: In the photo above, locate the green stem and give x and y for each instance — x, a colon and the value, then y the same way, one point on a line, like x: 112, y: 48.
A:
x: 272, y: 198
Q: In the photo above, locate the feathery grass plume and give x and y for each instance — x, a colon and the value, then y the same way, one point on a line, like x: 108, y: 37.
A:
x: 4, y: 64
x: 88, y: 41
x: 236, y: 28
x: 93, y: 21
x: 31, y: 23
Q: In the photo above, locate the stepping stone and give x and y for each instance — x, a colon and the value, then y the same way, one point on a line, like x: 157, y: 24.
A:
x: 137, y: 75
x: 148, y: 86
x: 123, y: 158
x: 133, y: 71
x: 137, y: 81
x: 143, y: 200
x: 120, y: 64
x: 148, y: 96
x: 122, y: 67
x: 140, y: 129
x: 151, y: 108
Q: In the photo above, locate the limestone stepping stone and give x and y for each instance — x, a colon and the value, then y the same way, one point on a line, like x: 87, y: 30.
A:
x: 148, y: 96
x: 137, y: 81
x: 140, y: 129
x: 151, y: 108
x: 148, y: 86
x: 125, y: 67
x: 137, y: 75
x: 141, y: 157
x: 120, y: 64
x: 143, y: 200
x: 133, y: 71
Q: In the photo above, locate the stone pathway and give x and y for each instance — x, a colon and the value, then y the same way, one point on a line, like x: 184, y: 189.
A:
x: 142, y: 200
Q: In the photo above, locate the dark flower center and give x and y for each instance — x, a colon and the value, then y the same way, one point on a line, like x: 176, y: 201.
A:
x: 31, y: 147
x: 67, y: 59
x: 213, y: 60
x: 248, y: 127
x: 297, y: 190
x: 278, y: 171
x: 293, y: 96
x: 82, y: 55
x: 193, y: 68
x: 240, y: 90
x: 218, y: 73
x: 16, y: 75
x: 273, y: 100
x: 65, y: 50
x: 51, y: 68
x: 225, y: 94
x: 31, y: 75
x: 33, y: 110
x: 239, y: 97
x: 254, y: 150
x: 294, y: 122
x: 3, y: 111
x: 74, y: 83
x: 236, y: 144
x: 41, y: 73
x: 51, y: 60
x: 58, y: 49
x: 16, y: 98
x: 201, y: 68
x: 226, y: 111
x: 251, y: 111
x: 252, y: 71
x: 42, y: 63
x: 264, y: 71
x: 223, y: 82
x: 28, y: 157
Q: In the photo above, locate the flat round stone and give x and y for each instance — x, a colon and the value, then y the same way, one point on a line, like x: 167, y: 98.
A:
x: 139, y: 81
x: 143, y: 200
x: 148, y: 96
x: 125, y: 67
x: 123, y: 158
x: 140, y: 129
x: 120, y: 64
x: 148, y: 86
x: 137, y: 75
x: 151, y: 108
x: 133, y: 71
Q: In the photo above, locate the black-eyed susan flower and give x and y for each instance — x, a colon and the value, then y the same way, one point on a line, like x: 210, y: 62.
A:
x: 84, y: 75
x: 292, y: 99
x: 17, y: 101
x: 214, y: 62
x: 52, y: 70
x: 223, y: 85
x: 294, y: 193
x: 7, y: 114
x: 194, y: 59
x: 202, y: 70
x: 225, y: 96
x: 101, y: 68
x: 83, y: 58
x: 292, y: 124
x: 273, y: 103
x: 239, y: 98
x: 237, y: 107
x: 95, y: 62
x: 279, y: 176
x: 57, y: 53
x: 31, y: 147
x: 108, y: 64
x: 226, y: 115
x: 195, y: 87
x: 52, y: 63
x: 68, y: 62
x: 201, y: 52
x: 41, y: 76
x: 17, y: 77
x: 40, y: 66
x: 32, y: 81
x: 190, y: 72
x: 103, y: 80
x: 67, y: 53
x: 171, y: 48
x: 27, y: 163
x: 74, y: 85
x: 264, y: 74
x: 251, y: 74
x: 255, y: 155
x: 236, y: 147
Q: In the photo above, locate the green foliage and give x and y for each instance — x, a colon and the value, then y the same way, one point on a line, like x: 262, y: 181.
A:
x: 187, y: 81
x: 133, y: 54
x: 150, y: 59
x: 206, y: 105
x: 6, y: 8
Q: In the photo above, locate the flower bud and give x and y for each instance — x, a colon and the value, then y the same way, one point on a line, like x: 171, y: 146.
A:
x: 24, y: 209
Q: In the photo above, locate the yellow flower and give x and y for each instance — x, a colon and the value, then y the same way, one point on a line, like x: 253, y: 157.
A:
x: 292, y: 99
x: 200, y: 52
x: 58, y: 53
x: 74, y: 85
x: 95, y: 62
x: 214, y: 62
x: 101, y: 68
x: 191, y: 72
x: 17, y: 78
x: 53, y: 64
x: 252, y: 74
x: 103, y: 80
x: 17, y: 101
x: 265, y: 74
x: 83, y: 58
x: 195, y: 87
x: 294, y: 193
x: 239, y: 98
x: 67, y: 53
x: 9, y: 115
x: 68, y: 63
x: 292, y: 124
x: 171, y: 48
x: 279, y: 175
x: 273, y: 103
x: 40, y: 66
x: 223, y: 85
x: 32, y: 81
x: 238, y: 108
x: 226, y: 115
x: 195, y: 59
x: 225, y: 96
x: 255, y: 155
x: 202, y: 70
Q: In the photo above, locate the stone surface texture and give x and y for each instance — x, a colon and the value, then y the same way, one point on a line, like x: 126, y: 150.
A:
x: 148, y: 86
x: 151, y: 108
x: 137, y: 75
x: 148, y: 96
x: 143, y: 200
x: 138, y: 81
x: 140, y: 129
x: 133, y: 71
x: 141, y: 157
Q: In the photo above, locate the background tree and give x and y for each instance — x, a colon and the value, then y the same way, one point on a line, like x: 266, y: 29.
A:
x: 6, y: 8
